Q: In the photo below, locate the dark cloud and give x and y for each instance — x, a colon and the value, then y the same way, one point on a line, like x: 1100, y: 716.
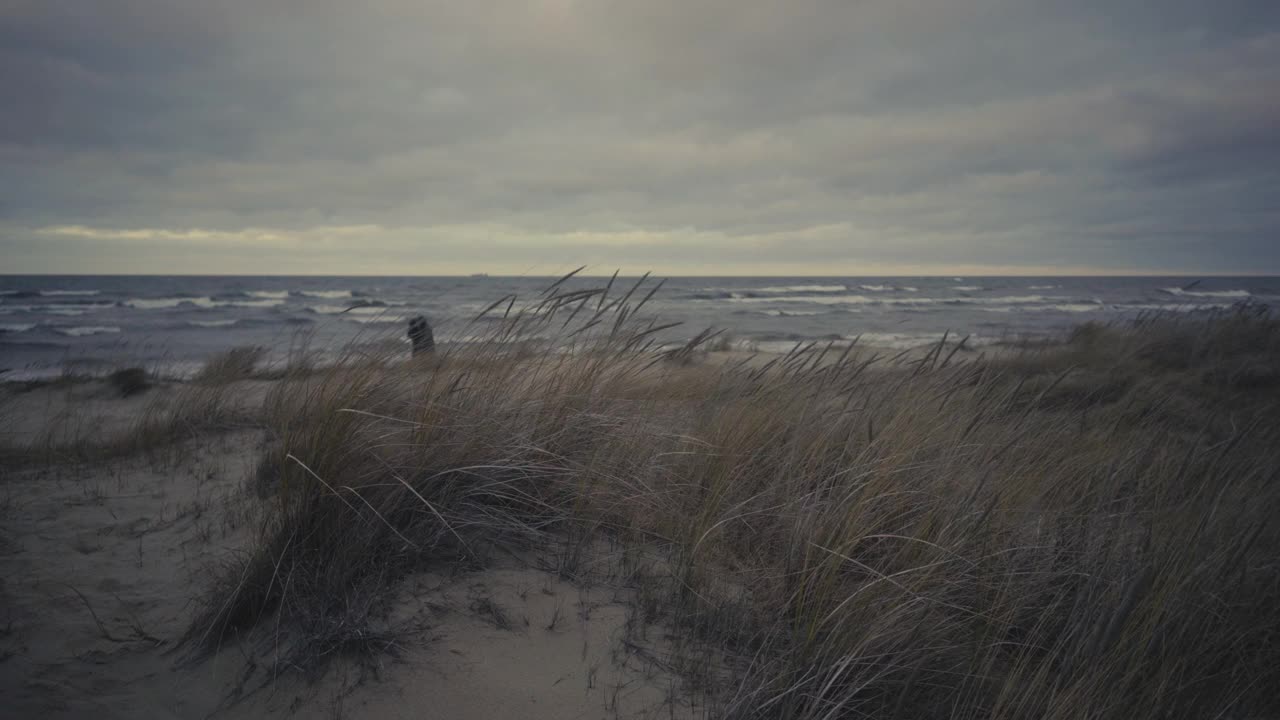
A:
x: 845, y: 135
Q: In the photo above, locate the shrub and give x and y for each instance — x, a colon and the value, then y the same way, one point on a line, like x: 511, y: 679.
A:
x: 130, y: 381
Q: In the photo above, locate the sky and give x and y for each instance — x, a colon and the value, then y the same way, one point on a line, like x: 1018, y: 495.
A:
x: 686, y: 137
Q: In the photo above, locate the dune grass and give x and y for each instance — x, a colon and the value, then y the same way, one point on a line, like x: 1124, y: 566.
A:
x: 1084, y: 530
x: 169, y: 413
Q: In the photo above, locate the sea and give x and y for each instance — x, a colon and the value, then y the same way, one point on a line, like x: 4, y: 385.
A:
x: 90, y: 324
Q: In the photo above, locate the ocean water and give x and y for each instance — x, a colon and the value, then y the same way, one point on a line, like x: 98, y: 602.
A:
x: 172, y: 323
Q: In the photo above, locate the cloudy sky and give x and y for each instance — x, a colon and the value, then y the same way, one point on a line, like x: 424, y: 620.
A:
x: 681, y: 136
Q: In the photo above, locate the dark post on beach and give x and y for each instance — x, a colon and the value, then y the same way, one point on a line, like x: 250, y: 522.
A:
x: 421, y: 336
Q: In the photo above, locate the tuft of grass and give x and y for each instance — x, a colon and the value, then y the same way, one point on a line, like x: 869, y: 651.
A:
x: 1077, y: 530
x: 173, y: 413
x: 237, y: 363
x: 130, y: 381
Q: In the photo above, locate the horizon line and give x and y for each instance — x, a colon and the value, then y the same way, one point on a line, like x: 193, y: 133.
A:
x: 481, y: 275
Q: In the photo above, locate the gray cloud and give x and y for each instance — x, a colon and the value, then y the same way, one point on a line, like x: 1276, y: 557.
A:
x: 716, y: 135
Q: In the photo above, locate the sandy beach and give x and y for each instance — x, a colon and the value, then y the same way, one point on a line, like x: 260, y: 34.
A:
x: 629, y: 530
x: 103, y: 562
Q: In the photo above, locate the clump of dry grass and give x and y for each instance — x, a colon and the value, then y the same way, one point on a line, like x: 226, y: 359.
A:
x: 172, y: 413
x: 237, y: 363
x: 936, y: 537
x: 130, y: 381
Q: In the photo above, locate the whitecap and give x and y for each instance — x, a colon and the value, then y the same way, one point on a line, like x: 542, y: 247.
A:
x: 347, y: 309
x: 968, y: 288
x: 81, y: 331
x: 1042, y: 287
x: 367, y: 319
x: 249, y: 303
x: 166, y: 303
x: 15, y: 328
x: 1206, y: 293
x: 865, y: 300
x: 69, y: 293
x: 818, y: 299
x: 876, y: 288
x: 801, y: 289
x: 792, y: 313
x: 1175, y: 307
x: 212, y: 323
x: 327, y: 309
x: 1059, y: 307
x: 269, y: 294
x: 326, y: 294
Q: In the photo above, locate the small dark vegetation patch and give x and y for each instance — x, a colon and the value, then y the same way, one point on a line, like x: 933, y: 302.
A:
x: 130, y: 381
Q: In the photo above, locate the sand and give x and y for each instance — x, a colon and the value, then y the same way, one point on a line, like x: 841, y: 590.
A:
x: 101, y: 566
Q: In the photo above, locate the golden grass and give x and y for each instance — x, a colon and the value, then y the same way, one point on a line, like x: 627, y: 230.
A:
x: 931, y: 537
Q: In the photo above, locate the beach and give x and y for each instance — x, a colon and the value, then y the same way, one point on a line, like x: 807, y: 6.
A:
x: 617, y: 525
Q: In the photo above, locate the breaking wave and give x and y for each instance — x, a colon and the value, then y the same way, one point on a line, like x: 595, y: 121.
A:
x: 212, y: 323
x: 1180, y: 292
x: 15, y: 328
x: 325, y: 294
x: 90, y: 330
x: 200, y: 302
x: 866, y: 300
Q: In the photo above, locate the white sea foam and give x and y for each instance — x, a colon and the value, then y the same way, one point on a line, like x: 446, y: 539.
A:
x: 348, y: 309
x: 249, y: 303
x: 817, y: 299
x: 1206, y: 293
x: 376, y: 318
x: 1042, y: 287
x: 1175, y: 307
x: 968, y: 288
x: 200, y: 302
x: 92, y: 330
x: 166, y: 303
x: 67, y: 309
x: 327, y: 309
x: 792, y: 313
x: 15, y: 328
x: 801, y: 289
x: 866, y: 300
x: 213, y: 323
x: 1059, y: 307
x: 271, y: 294
x: 68, y: 293
x: 888, y: 288
x: 326, y: 294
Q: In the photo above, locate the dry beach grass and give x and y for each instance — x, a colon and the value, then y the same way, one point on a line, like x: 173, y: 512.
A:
x: 1083, y: 529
